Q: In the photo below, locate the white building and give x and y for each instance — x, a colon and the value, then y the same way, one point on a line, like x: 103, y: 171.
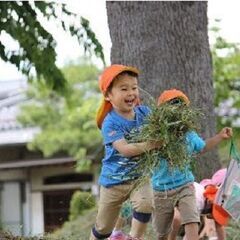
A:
x: 34, y: 192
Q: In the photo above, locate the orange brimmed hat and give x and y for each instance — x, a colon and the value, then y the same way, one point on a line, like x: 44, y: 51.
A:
x: 218, y: 213
x: 171, y: 94
x: 104, y: 82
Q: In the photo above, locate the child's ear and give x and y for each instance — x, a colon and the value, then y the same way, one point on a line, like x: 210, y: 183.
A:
x: 106, y: 98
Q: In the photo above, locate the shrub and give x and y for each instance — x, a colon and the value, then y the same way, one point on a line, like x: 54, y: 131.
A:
x: 80, y: 201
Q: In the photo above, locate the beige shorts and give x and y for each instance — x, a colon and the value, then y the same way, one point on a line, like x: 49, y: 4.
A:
x: 164, y: 203
x: 111, y: 200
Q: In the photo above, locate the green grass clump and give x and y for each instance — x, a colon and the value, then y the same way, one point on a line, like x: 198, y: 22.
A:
x: 167, y: 124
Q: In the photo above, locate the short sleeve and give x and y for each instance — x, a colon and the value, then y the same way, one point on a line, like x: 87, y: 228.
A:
x: 111, y: 132
x: 195, y: 142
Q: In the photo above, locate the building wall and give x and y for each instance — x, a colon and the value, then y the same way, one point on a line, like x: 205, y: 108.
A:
x: 11, y: 210
x: 37, y: 220
x: 30, y: 190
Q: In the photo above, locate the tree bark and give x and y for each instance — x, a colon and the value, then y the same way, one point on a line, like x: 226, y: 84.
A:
x: 168, y: 42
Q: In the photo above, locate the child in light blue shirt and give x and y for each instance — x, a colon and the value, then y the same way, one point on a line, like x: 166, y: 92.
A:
x: 174, y: 187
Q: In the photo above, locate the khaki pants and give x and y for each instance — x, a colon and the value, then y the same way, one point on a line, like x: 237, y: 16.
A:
x: 164, y: 202
x: 111, y: 200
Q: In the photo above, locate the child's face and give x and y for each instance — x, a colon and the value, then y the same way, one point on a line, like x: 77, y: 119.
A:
x: 176, y: 101
x: 124, y: 94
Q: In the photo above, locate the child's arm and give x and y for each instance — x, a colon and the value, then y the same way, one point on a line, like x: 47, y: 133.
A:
x: 225, y: 133
x: 134, y: 149
x: 220, y: 230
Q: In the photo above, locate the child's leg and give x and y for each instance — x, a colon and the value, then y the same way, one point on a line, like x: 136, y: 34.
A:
x: 137, y: 228
x: 176, y: 224
x: 221, y: 234
x: 125, y: 214
x: 203, y: 230
x: 109, y: 206
x: 189, y: 212
x: 141, y: 200
x: 163, y: 214
x: 191, y: 231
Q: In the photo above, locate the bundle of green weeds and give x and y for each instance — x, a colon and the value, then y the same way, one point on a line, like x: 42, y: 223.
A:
x: 167, y: 124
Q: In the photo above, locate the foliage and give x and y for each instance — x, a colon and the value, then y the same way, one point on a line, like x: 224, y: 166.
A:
x: 80, y: 202
x: 67, y: 123
x: 226, y: 74
x: 36, y: 50
x: 168, y: 124
x: 78, y: 229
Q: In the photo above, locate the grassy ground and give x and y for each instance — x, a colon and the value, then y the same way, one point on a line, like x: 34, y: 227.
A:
x: 80, y: 229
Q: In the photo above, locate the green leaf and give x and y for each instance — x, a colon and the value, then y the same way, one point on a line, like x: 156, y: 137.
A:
x: 36, y: 52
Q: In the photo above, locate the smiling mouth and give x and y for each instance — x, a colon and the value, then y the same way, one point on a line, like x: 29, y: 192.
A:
x: 129, y: 102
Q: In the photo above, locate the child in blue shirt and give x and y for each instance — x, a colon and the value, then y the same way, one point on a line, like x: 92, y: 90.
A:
x: 174, y: 187
x: 119, y: 114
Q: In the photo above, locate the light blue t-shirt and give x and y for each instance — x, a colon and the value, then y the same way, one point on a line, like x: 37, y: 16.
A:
x: 165, y: 178
x: 116, y: 168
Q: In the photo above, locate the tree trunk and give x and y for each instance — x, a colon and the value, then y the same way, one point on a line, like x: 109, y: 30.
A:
x: 168, y: 42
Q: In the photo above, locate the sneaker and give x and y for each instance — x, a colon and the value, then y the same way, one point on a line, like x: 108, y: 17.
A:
x: 117, y: 235
x: 133, y: 238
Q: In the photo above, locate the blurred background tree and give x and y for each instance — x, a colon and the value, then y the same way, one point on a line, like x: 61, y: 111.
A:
x: 226, y: 75
x: 67, y: 123
x: 168, y: 42
x: 21, y: 21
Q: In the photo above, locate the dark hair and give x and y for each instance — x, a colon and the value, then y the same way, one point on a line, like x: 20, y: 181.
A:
x: 129, y: 73
x: 176, y: 101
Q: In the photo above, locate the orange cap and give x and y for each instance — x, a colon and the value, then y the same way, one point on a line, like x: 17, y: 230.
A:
x: 210, y: 192
x: 220, y: 215
x: 104, y: 82
x: 171, y: 94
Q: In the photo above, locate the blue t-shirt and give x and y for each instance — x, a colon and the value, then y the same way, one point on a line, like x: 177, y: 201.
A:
x: 165, y: 178
x: 116, y: 168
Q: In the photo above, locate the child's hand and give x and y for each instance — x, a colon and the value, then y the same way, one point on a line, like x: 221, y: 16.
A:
x: 226, y: 133
x: 154, y: 144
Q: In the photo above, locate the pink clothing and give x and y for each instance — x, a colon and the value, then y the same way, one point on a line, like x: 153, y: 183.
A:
x: 199, y: 189
x: 217, y: 178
